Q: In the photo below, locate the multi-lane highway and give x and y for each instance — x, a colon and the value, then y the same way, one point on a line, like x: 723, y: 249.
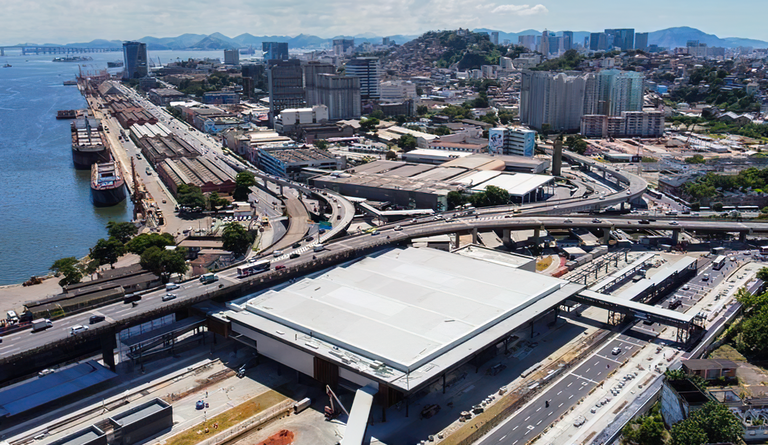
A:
x: 577, y: 383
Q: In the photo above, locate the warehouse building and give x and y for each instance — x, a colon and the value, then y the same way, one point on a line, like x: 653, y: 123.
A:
x: 399, y: 320
x: 157, y: 149
x: 424, y: 186
x: 200, y: 172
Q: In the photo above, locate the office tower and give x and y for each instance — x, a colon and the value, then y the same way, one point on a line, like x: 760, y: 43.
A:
x: 248, y: 87
x: 553, y: 99
x: 386, y: 41
x: 343, y: 46
x: 311, y: 71
x: 527, y: 41
x: 231, y: 57
x: 286, y: 86
x: 399, y: 90
x: 367, y: 69
x: 495, y: 37
x: 341, y: 94
x: 641, y: 41
x: 555, y: 43
x: 624, y: 39
x: 274, y: 51
x: 134, y: 60
x: 598, y: 41
x: 567, y: 40
x: 544, y: 45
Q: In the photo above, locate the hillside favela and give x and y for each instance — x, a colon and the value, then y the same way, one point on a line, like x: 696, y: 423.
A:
x: 407, y: 223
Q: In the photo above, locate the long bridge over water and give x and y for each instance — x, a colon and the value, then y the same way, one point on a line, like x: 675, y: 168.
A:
x: 53, y: 49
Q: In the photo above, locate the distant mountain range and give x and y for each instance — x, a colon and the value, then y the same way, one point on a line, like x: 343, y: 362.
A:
x: 218, y: 41
x: 665, y: 38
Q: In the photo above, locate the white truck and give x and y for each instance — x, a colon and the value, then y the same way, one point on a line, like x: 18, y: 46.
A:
x: 41, y: 324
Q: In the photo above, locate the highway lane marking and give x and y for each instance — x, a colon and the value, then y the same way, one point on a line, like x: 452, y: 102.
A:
x: 561, y: 404
x: 538, y: 409
x: 526, y: 419
x: 569, y: 385
x: 513, y: 443
x: 610, y: 359
x: 503, y: 437
x: 537, y: 423
x: 11, y: 350
x: 560, y: 392
x: 570, y: 397
x: 582, y: 377
x: 599, y: 372
x: 588, y: 369
x: 516, y: 426
x: 553, y: 411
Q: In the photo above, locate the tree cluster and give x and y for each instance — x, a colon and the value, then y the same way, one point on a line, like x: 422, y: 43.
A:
x: 713, y: 423
x: 236, y: 239
x: 190, y: 196
x: 576, y: 144
x: 751, y: 336
x: 492, y: 196
x: 645, y: 430
x: 710, y: 184
x: 570, y: 60
x: 243, y: 183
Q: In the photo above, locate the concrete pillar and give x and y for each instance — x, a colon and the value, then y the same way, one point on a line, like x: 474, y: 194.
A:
x: 456, y: 240
x: 537, y: 236
x: 443, y: 383
x: 606, y: 235
x: 475, y: 239
x: 108, y: 344
x: 281, y: 190
x: 675, y: 237
x: 505, y: 237
x: 742, y: 237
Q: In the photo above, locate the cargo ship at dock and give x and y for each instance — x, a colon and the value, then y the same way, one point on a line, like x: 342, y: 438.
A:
x: 88, y: 146
x: 107, y: 184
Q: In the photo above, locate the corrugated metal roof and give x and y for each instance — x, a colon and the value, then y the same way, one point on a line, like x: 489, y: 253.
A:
x: 40, y: 391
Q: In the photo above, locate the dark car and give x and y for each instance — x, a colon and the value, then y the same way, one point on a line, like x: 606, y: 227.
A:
x: 294, y: 256
x: 296, y: 245
x: 644, y: 221
x: 97, y: 318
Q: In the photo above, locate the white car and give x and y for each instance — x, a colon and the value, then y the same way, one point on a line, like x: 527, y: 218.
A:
x: 168, y: 297
x: 74, y: 330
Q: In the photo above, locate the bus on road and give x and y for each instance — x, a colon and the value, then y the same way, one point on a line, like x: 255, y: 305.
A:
x: 253, y: 269
x: 719, y: 262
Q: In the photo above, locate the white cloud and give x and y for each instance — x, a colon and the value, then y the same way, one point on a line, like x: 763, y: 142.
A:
x: 520, y: 9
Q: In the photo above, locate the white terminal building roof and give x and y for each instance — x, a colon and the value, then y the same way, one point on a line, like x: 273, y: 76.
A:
x: 411, y: 309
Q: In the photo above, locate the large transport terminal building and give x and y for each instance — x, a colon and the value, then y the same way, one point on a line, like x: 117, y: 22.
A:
x: 398, y: 320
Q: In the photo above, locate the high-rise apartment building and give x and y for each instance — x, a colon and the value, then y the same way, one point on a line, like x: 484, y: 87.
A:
x: 544, y: 45
x: 554, y: 99
x: 568, y: 40
x: 648, y: 124
x: 231, y: 57
x: 343, y: 46
x: 341, y: 94
x: 623, y: 39
x: 368, y: 70
x: 311, y: 71
x: 641, y: 41
x: 495, y: 37
x: 615, y: 92
x: 286, y: 86
x: 135, y: 60
x: 275, y: 51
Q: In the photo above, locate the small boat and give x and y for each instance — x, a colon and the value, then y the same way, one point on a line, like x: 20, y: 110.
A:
x: 7, y: 65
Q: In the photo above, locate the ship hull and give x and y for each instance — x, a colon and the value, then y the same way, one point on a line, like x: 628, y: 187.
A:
x: 83, y: 160
x: 107, y: 197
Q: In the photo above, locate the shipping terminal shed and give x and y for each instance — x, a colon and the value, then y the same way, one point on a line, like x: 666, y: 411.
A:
x: 398, y: 320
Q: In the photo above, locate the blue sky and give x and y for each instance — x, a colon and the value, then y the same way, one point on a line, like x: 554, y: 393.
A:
x: 62, y: 21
